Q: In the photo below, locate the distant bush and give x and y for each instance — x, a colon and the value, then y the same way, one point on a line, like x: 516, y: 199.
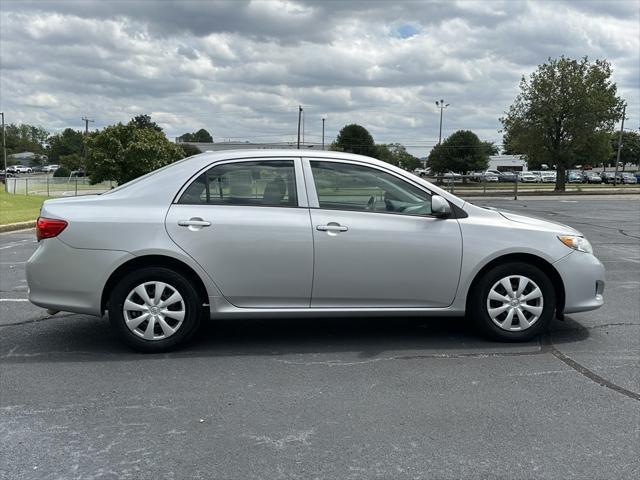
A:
x: 62, y: 172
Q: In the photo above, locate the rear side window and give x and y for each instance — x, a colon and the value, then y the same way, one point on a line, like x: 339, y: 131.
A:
x: 257, y: 183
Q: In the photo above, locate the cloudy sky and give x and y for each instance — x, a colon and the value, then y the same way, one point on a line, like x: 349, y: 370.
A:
x: 240, y: 69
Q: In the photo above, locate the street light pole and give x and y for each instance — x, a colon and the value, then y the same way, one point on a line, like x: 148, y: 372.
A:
x: 441, y: 105
x: 86, y: 121
x: 299, y: 118
x: 323, y: 119
x: 4, y: 154
x: 615, y: 175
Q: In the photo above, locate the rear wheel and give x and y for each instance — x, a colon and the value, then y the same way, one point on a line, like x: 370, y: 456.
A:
x: 155, y: 309
x: 512, y: 302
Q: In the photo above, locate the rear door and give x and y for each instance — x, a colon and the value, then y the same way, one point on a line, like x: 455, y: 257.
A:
x: 376, y: 243
x: 247, y: 224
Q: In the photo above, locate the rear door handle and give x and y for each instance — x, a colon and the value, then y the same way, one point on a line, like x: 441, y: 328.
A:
x: 332, y: 227
x: 194, y: 222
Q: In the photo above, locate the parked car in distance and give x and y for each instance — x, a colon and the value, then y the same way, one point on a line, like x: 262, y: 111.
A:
x: 627, y: 177
x: 591, y: 177
x: 548, y: 176
x: 637, y: 175
x: 19, y: 169
x: 528, y: 177
x: 574, y: 177
x: 265, y: 233
x: 51, y: 168
x: 490, y: 176
x: 508, y: 177
x: 608, y: 177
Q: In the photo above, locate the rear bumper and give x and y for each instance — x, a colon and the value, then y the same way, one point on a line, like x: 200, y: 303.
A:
x: 583, y: 278
x: 70, y: 279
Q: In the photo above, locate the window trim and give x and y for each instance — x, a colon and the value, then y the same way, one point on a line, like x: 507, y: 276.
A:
x: 314, y: 202
x: 302, y: 201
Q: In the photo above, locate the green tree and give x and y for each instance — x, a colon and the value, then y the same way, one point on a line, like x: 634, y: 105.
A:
x: 201, y: 136
x: 68, y: 142
x: 144, y: 121
x: 630, y: 151
x: 73, y: 161
x: 25, y: 138
x: 490, y: 148
x: 355, y: 139
x: 396, y: 154
x: 560, y: 111
x: 189, y: 150
x: 461, y: 152
x: 124, y: 152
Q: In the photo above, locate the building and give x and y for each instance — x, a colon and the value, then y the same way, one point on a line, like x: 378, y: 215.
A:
x: 507, y: 163
x: 215, y: 147
x: 26, y: 158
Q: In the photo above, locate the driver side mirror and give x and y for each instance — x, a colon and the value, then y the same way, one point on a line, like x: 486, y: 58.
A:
x: 440, y: 207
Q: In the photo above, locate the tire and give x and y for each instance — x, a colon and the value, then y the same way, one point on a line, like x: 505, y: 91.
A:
x: 536, y: 308
x: 171, y: 320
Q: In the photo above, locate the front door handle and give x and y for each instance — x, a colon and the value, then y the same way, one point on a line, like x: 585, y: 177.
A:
x: 332, y: 227
x: 194, y: 222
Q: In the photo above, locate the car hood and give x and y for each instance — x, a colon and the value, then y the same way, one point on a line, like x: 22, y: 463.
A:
x: 539, y: 223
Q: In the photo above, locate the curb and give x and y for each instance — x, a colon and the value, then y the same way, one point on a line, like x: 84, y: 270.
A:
x: 17, y: 226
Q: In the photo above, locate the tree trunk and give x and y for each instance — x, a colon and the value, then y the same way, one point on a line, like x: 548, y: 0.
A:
x: 560, y: 177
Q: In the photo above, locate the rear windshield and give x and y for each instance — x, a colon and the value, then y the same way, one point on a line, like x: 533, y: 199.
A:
x: 136, y: 180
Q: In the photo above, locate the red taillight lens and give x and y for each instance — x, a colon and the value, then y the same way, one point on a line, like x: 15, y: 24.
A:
x: 49, y: 227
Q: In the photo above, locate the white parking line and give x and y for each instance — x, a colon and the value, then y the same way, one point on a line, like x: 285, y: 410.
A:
x: 14, y: 299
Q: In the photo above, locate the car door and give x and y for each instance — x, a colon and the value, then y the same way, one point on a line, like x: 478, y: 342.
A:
x: 247, y: 224
x: 375, y: 241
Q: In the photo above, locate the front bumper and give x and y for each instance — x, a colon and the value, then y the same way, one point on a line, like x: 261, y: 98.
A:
x: 583, y: 278
x: 70, y: 279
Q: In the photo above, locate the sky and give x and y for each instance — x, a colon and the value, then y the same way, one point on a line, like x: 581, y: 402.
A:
x: 240, y: 68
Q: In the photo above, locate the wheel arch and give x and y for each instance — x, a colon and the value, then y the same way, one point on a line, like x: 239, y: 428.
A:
x: 154, y: 261
x: 535, y: 260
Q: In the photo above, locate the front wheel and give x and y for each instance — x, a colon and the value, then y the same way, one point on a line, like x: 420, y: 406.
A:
x: 513, y: 302
x: 154, y: 309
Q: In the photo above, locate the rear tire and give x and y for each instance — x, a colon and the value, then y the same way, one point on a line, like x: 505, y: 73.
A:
x: 155, y: 309
x: 512, y: 302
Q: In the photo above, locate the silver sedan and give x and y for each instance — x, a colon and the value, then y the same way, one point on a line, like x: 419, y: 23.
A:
x: 285, y: 233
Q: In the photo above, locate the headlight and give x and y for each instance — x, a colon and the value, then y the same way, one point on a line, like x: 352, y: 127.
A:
x: 577, y: 243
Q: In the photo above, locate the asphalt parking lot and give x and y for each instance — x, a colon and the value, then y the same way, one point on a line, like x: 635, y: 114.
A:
x: 342, y: 398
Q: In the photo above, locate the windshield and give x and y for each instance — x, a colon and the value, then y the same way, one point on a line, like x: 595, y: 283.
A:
x: 136, y: 180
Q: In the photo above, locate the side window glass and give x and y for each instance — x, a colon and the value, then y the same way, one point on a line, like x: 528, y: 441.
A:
x: 258, y: 183
x: 342, y: 186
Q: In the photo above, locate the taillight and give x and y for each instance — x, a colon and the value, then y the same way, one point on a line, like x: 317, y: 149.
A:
x: 49, y: 227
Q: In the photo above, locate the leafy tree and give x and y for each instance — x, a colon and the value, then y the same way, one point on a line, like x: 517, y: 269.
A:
x: 355, y: 139
x: 461, y: 152
x: 396, y: 154
x: 490, y: 148
x: 68, y: 142
x: 630, y: 151
x: 25, y: 138
x: 73, y: 161
x: 144, y: 121
x: 560, y: 111
x: 201, y: 136
x: 62, y: 172
x: 124, y: 152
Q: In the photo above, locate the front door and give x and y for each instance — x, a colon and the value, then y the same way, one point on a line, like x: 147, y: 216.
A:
x: 243, y: 223
x: 375, y: 242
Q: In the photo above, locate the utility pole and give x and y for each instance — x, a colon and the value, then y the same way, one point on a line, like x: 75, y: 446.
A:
x: 615, y: 175
x: 4, y: 154
x: 86, y: 121
x: 441, y: 106
x: 323, y: 119
x: 299, y: 119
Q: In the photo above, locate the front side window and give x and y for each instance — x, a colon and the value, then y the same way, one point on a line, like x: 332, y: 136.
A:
x: 257, y: 183
x: 343, y: 186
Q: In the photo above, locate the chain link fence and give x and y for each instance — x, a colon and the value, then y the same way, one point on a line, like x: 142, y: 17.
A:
x: 49, y: 186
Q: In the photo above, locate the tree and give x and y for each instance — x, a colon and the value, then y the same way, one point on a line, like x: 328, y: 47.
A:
x: 355, y: 139
x: 144, y: 121
x: 630, y: 151
x: 25, y: 138
x: 490, y: 148
x: 559, y: 112
x: 201, y: 136
x: 396, y: 154
x: 68, y: 142
x: 124, y: 152
x: 461, y: 152
x: 73, y: 161
x: 189, y: 150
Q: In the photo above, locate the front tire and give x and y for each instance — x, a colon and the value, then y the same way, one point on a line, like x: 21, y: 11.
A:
x: 155, y: 309
x: 512, y: 302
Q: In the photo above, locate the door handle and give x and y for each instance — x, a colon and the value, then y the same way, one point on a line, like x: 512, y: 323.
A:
x: 194, y: 222
x: 332, y: 227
